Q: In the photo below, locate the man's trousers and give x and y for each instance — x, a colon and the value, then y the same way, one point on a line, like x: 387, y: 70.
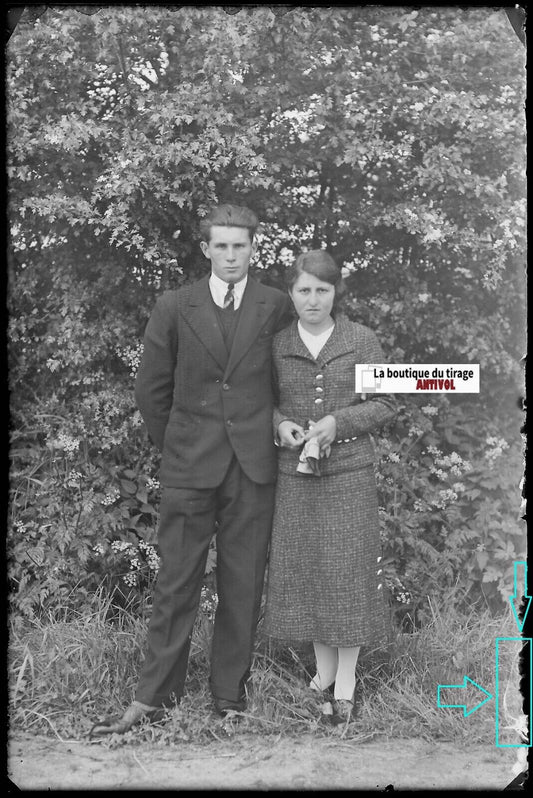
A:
x: 243, y: 510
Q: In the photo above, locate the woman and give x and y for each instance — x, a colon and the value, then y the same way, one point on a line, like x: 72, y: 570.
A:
x: 325, y: 582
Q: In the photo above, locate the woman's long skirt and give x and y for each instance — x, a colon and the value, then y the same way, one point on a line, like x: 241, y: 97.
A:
x: 324, y: 580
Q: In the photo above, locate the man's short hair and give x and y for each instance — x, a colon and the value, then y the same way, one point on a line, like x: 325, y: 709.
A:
x: 229, y: 216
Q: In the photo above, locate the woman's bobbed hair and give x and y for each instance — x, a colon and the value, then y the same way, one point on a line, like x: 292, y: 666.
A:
x: 321, y: 265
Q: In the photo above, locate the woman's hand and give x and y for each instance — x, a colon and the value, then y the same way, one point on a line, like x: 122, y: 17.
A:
x: 324, y: 431
x: 290, y: 434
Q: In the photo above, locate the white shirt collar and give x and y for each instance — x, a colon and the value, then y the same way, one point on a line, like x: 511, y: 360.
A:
x: 219, y: 289
x: 315, y: 343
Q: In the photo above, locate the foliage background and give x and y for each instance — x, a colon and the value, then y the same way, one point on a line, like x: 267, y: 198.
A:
x: 393, y: 137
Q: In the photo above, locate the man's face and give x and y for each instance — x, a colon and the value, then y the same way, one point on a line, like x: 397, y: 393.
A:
x: 230, y: 250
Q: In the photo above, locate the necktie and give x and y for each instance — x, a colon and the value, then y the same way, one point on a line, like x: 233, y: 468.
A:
x: 229, y: 298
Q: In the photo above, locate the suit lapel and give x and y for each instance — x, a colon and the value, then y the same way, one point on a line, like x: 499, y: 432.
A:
x: 253, y: 314
x: 202, y: 317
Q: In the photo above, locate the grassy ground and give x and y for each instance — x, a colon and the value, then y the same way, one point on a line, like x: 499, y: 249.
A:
x: 67, y: 672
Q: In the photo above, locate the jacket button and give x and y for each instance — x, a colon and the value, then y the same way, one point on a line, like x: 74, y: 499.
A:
x: 318, y: 401
x: 318, y: 389
x: 319, y: 377
x: 229, y: 422
x: 225, y: 387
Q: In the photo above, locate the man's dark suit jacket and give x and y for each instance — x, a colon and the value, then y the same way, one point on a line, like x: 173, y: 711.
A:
x: 201, y: 404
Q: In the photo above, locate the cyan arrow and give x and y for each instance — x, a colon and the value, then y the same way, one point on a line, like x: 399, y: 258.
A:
x: 463, y: 686
x: 520, y: 578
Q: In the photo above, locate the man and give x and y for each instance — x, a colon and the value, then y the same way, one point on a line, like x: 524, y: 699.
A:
x: 204, y: 391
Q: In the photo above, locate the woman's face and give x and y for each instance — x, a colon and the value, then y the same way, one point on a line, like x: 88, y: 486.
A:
x: 313, y: 300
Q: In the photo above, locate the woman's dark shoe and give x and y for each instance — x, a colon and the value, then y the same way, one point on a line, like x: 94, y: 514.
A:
x: 134, y: 715
x: 224, y: 707
x: 343, y: 711
x: 326, y: 712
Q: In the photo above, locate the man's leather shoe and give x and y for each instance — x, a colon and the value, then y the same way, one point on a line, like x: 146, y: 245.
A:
x: 224, y: 707
x: 131, y: 717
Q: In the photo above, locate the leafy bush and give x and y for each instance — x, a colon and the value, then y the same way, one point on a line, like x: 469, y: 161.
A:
x: 70, y: 502
x: 402, y: 155
x: 449, y: 494
x: 84, y: 507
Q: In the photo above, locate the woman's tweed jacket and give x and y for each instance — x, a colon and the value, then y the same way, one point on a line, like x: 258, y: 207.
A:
x: 324, y: 575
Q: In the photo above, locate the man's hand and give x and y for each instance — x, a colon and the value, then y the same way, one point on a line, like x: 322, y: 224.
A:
x: 290, y: 434
x: 324, y: 431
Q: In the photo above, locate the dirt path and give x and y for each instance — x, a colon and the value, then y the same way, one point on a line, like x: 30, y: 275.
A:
x: 256, y: 763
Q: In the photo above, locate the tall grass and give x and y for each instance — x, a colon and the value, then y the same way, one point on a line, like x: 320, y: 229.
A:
x: 67, y: 671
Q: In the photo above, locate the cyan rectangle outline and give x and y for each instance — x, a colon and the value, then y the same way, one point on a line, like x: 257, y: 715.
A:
x: 522, y: 641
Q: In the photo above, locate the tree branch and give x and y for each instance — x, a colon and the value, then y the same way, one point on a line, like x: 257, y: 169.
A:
x: 122, y: 61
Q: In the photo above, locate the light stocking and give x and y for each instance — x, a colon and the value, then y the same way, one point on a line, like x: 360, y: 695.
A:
x: 345, y: 676
x: 326, y: 666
